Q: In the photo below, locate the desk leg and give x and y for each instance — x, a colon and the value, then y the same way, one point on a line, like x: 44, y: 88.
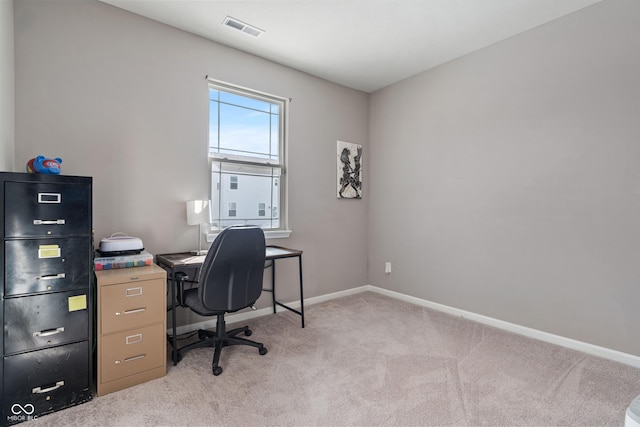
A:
x: 174, y: 339
x: 273, y: 284
x: 274, y: 300
x: 301, y: 292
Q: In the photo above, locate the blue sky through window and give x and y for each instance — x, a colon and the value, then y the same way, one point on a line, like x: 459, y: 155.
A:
x: 243, y: 125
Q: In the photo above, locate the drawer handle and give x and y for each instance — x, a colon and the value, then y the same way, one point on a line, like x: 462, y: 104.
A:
x: 131, y: 359
x: 48, y: 332
x: 48, y: 222
x: 137, y: 337
x: 135, y: 310
x: 49, y: 198
x: 51, y: 276
x: 40, y: 390
x: 133, y: 292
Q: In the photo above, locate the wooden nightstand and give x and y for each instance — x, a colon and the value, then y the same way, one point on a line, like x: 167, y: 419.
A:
x: 131, y: 327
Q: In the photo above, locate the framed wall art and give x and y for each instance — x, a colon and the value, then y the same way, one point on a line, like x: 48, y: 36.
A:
x: 349, y: 168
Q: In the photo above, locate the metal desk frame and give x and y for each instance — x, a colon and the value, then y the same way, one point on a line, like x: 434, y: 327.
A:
x: 185, y: 260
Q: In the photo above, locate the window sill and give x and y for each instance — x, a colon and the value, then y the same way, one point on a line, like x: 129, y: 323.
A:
x: 269, y: 234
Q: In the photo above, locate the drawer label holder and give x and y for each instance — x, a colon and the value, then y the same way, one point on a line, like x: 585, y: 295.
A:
x: 134, y: 339
x: 133, y: 292
x: 49, y: 251
x: 49, y: 198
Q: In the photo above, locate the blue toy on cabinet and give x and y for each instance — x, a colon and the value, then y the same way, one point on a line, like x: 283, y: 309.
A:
x: 45, y: 165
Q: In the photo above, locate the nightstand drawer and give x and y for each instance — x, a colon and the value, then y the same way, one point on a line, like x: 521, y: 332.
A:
x: 132, y: 304
x: 133, y: 351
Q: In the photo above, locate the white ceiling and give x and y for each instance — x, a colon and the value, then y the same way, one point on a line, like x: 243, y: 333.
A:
x: 362, y: 44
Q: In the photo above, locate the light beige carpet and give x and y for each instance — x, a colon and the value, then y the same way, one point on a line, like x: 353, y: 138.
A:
x: 369, y: 360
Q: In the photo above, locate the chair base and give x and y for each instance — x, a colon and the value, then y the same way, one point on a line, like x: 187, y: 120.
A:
x: 222, y: 338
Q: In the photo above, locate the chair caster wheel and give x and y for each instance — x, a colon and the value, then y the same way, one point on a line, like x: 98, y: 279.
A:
x: 248, y: 333
x: 201, y: 335
x: 262, y: 351
x: 217, y: 370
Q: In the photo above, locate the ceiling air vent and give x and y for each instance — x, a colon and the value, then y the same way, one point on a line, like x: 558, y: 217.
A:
x: 241, y: 26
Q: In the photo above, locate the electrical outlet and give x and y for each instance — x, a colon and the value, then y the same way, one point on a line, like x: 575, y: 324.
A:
x: 387, y: 267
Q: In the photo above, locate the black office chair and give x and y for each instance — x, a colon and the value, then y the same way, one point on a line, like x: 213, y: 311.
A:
x: 230, y: 279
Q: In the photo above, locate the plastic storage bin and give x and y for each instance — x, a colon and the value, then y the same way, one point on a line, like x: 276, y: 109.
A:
x: 123, y: 261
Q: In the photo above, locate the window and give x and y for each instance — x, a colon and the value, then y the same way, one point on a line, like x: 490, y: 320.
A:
x: 246, y: 153
x: 233, y: 209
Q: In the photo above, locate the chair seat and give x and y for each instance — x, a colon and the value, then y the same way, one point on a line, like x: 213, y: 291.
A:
x: 190, y: 299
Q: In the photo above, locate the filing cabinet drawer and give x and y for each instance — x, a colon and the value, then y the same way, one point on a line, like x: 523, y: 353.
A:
x: 48, y: 379
x: 130, y: 352
x: 45, y: 320
x: 46, y: 209
x: 41, y: 265
x: 128, y: 305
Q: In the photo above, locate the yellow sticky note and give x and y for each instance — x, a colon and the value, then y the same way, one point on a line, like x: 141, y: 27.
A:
x: 48, y: 251
x: 78, y: 303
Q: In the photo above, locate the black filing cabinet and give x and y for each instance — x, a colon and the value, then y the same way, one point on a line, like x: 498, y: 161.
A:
x: 46, y: 279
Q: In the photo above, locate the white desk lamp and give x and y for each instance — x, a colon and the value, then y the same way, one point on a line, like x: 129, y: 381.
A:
x: 199, y: 213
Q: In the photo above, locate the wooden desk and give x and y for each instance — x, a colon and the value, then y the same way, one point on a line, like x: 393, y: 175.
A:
x: 176, y: 261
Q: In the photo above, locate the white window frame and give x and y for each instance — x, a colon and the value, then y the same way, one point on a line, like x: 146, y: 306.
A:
x: 283, y: 230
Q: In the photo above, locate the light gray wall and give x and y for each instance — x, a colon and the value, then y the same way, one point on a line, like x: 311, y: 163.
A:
x: 503, y: 183
x: 7, y: 110
x: 507, y: 182
x: 124, y: 99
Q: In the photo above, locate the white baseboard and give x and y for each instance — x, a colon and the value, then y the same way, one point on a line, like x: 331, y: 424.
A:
x: 246, y: 315
x: 617, y: 356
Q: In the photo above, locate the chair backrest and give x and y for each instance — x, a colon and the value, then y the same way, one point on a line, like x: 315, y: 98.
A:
x: 231, y: 275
